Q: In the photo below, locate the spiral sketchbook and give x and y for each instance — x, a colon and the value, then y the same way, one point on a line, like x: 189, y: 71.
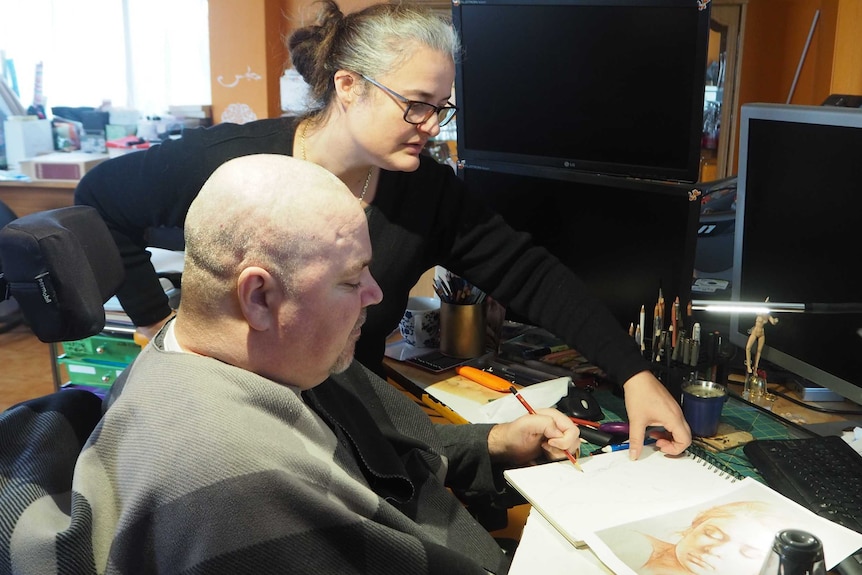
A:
x: 613, y: 489
x: 613, y: 494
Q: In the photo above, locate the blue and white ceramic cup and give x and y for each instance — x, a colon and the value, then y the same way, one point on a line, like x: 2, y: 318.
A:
x: 420, y: 325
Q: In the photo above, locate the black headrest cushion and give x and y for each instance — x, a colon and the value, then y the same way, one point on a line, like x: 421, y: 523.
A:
x: 61, y: 266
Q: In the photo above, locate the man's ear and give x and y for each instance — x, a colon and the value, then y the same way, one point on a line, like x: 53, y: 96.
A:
x: 259, y: 295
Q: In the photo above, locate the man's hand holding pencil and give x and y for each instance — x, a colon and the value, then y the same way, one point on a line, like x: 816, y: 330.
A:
x: 543, y: 432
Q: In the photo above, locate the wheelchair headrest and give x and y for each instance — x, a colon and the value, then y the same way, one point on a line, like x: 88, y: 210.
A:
x: 61, y: 266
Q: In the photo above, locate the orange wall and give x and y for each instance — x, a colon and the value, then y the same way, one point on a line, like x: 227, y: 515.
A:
x: 248, y: 54
x: 247, y: 58
x: 848, y: 49
x: 775, y: 35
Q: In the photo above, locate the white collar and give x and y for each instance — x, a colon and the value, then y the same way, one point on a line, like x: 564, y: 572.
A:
x: 170, y: 340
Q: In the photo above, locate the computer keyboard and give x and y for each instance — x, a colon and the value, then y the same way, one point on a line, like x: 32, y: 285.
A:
x: 823, y: 474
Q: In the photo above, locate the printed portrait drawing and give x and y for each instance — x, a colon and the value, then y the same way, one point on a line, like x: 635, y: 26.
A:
x: 730, y: 537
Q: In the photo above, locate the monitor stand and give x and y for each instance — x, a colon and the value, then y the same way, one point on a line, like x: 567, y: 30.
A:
x: 810, y: 391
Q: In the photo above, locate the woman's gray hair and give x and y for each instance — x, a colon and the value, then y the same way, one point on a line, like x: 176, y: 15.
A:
x: 370, y: 42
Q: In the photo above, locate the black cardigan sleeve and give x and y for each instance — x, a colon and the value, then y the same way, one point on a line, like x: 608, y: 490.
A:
x: 430, y: 217
x: 529, y: 280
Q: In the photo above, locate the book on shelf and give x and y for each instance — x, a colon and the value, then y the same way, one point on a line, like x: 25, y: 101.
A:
x: 635, y: 514
x: 191, y: 111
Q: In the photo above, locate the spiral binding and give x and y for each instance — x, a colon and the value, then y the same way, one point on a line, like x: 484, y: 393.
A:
x: 710, y: 461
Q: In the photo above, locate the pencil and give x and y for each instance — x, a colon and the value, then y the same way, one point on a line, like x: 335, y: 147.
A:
x: 642, y: 327
x: 532, y: 411
x: 674, y: 321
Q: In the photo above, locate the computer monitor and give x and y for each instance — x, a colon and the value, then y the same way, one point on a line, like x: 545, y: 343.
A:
x: 624, y: 240
x: 598, y: 86
x: 797, y: 237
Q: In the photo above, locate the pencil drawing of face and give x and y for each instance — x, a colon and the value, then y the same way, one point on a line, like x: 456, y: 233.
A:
x: 728, y: 538
x: 735, y: 539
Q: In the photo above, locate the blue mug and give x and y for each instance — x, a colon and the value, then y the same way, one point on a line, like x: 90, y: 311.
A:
x: 702, y: 402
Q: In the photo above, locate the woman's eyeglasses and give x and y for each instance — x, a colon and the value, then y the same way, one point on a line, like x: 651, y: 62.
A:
x: 417, y: 113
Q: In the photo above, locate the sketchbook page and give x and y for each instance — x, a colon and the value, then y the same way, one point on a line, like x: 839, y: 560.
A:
x: 544, y: 550
x: 613, y: 489
x: 730, y: 533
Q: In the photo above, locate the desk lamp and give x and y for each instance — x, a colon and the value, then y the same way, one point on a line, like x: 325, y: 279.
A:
x: 767, y: 307
x: 755, y: 386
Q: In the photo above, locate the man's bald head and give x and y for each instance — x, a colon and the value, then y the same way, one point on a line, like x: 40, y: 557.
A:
x: 276, y: 277
x: 268, y: 210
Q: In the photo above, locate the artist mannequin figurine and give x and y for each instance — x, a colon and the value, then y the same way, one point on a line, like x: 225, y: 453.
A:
x: 757, y: 336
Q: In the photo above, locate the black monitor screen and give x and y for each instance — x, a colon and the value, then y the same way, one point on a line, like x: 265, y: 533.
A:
x: 799, y: 216
x: 625, y: 243
x: 605, y: 86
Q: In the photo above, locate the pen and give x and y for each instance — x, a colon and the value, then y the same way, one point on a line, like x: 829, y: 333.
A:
x: 585, y: 422
x: 543, y: 351
x: 595, y: 436
x: 619, y: 447
x: 529, y: 409
x: 695, y: 345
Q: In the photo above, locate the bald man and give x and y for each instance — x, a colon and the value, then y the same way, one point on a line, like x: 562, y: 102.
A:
x: 247, y: 440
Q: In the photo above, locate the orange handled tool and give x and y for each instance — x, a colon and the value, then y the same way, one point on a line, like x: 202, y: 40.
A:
x: 484, y: 378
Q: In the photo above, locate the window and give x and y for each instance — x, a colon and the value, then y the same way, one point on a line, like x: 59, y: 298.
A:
x: 141, y: 54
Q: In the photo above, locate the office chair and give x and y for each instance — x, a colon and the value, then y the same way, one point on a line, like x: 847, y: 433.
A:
x: 61, y: 266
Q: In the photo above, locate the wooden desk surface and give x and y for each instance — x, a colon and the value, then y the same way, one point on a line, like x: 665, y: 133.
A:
x: 414, y: 379
x: 25, y: 198
x: 800, y: 415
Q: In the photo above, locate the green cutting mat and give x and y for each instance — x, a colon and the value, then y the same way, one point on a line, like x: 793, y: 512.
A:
x: 737, y: 413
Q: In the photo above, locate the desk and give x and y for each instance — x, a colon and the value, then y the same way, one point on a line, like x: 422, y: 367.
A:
x: 809, y: 419
x: 785, y: 415
x: 762, y: 424
x: 786, y: 420
x: 739, y: 414
x: 25, y: 198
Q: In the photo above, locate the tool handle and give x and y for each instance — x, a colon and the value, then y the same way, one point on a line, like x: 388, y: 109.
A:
x: 484, y: 378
